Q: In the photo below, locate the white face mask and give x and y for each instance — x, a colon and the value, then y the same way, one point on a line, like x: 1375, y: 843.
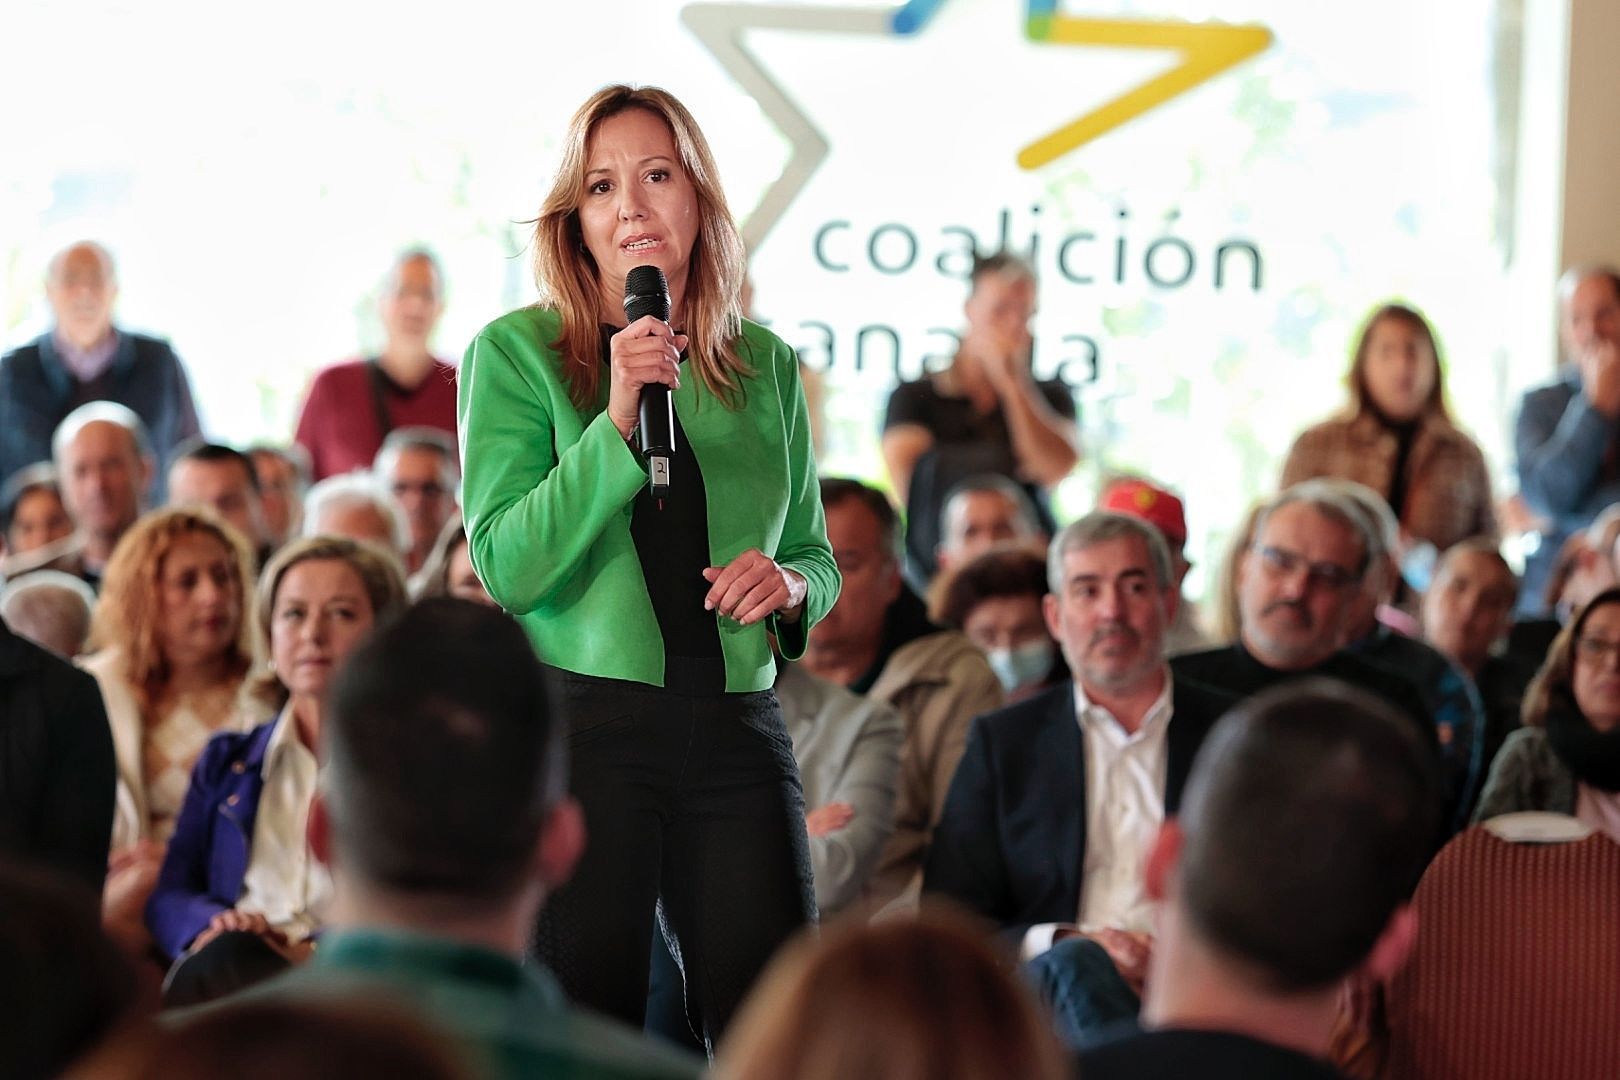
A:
x: 1023, y: 666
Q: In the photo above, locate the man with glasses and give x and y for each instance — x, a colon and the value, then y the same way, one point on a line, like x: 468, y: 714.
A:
x: 417, y: 466
x: 1298, y: 585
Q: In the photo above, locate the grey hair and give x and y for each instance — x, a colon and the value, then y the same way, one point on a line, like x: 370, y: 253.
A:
x: 354, y: 489
x: 100, y: 412
x: 419, y: 437
x: 1099, y: 527
x: 48, y: 597
x: 1334, y: 501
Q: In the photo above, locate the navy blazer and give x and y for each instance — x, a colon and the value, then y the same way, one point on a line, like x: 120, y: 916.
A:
x: 37, y: 391
x: 1012, y: 840
x: 208, y: 854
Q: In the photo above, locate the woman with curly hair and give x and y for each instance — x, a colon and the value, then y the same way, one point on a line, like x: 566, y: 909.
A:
x: 172, y: 652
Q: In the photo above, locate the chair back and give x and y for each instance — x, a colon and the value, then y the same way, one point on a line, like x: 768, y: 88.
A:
x: 1516, y: 970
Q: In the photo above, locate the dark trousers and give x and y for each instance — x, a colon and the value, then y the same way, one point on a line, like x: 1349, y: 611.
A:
x: 694, y: 821
x: 233, y: 961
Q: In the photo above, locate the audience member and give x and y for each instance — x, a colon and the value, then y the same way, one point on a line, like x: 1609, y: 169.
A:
x: 1298, y: 587
x: 224, y: 480
x: 335, y: 1038
x: 848, y: 750
x: 174, y: 649
x: 1057, y: 799
x: 1585, y: 565
x: 64, y: 987
x: 283, y: 473
x: 449, y: 569
x: 923, y: 999
x: 985, y: 413
x: 877, y: 641
x: 1566, y: 436
x: 51, y: 609
x: 1466, y: 614
x: 1446, y: 690
x: 1397, y: 438
x: 417, y: 466
x: 355, y: 506
x: 995, y: 599
x: 85, y: 358
x: 1307, y: 822
x: 351, y: 407
x: 56, y: 765
x: 1164, y: 511
x: 1566, y: 758
x: 983, y: 512
x: 104, y: 459
x: 1228, y: 622
x: 32, y: 514
x: 442, y: 813
x: 238, y: 896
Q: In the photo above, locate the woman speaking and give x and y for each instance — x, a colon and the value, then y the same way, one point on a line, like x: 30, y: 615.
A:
x: 655, y: 610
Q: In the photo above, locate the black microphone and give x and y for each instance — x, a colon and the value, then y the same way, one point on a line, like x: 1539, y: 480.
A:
x: 646, y: 292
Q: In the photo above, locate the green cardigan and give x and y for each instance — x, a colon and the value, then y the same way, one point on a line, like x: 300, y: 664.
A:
x: 547, y: 493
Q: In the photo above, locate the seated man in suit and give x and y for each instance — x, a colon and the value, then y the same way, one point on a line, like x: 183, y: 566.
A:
x: 1259, y: 929
x: 1057, y: 798
x: 1299, y: 585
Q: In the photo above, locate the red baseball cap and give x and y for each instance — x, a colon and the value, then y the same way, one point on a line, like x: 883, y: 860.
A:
x: 1154, y: 505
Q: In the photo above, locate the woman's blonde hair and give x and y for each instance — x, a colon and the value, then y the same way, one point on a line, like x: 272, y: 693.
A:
x: 1553, y: 686
x: 923, y: 999
x: 379, y: 573
x: 130, y: 611
x: 568, y: 276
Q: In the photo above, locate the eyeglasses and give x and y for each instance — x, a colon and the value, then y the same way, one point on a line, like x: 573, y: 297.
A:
x: 1278, y: 562
x: 1596, y: 649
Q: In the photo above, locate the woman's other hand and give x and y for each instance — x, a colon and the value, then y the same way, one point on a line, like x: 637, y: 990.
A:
x: 752, y: 586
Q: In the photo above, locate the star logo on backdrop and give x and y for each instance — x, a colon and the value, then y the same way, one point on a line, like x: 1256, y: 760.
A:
x: 1205, y: 50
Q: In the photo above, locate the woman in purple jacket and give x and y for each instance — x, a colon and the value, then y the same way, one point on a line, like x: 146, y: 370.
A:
x: 239, y: 895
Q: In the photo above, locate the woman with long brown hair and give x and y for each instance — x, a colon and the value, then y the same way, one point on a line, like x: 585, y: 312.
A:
x: 655, y: 612
x: 1396, y: 436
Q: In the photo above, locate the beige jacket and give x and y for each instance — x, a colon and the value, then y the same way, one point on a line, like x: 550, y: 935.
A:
x: 1448, y: 491
x: 938, y: 684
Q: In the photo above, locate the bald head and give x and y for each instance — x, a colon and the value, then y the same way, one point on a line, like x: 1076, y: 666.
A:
x: 81, y: 285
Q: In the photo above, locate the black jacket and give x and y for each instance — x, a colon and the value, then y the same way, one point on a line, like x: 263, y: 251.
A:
x: 57, y: 772
x: 1012, y: 840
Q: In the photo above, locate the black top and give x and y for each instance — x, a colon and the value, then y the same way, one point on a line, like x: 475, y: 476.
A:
x: 1502, y: 682
x: 1199, y: 1055
x: 1234, y: 669
x: 672, y: 544
x: 967, y: 443
x: 57, y: 771
x: 905, y: 621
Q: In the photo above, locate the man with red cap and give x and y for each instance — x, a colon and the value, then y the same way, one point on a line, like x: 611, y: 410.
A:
x: 1164, y: 511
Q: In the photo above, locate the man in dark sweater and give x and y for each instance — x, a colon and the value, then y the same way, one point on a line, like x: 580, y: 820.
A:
x: 1297, y: 590
x: 86, y: 358
x: 1258, y: 930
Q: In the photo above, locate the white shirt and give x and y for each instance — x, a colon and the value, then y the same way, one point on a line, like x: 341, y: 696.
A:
x: 1126, y: 773
x: 284, y: 882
